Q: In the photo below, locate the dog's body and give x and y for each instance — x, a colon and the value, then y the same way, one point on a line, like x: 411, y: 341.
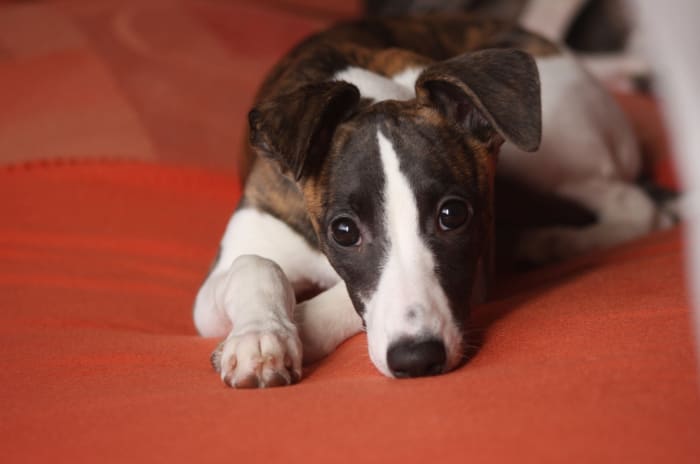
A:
x: 374, y: 188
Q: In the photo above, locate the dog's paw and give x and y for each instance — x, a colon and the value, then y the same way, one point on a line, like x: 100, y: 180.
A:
x: 259, y: 357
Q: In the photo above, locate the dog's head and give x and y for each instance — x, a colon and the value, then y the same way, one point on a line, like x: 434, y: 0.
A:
x: 400, y: 192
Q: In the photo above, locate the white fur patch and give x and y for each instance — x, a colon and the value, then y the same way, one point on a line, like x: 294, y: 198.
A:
x: 588, y: 154
x: 325, y: 321
x: 408, y: 77
x: 252, y: 232
x: 584, y: 134
x: 375, y: 86
x: 624, y: 210
x: 250, y: 295
x: 408, y: 281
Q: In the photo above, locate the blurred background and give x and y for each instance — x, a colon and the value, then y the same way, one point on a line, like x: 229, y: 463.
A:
x: 173, y: 80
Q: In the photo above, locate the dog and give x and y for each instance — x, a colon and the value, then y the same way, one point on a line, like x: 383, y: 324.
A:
x: 373, y: 189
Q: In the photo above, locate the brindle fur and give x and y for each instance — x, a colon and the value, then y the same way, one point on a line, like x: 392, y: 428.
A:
x: 384, y: 46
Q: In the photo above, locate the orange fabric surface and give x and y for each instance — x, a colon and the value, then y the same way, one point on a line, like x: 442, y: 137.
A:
x: 589, y: 361
x: 166, y: 80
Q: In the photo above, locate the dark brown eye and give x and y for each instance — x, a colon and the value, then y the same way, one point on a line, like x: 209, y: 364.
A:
x: 345, y: 232
x: 453, y: 214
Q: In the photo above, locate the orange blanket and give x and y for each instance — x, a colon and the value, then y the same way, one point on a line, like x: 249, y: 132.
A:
x: 590, y: 361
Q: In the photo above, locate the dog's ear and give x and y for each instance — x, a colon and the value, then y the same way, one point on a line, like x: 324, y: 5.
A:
x: 295, y: 130
x: 494, y: 94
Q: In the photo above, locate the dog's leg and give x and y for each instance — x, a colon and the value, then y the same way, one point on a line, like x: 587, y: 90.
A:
x: 262, y: 347
x: 249, y: 296
x: 624, y: 212
x: 325, y: 321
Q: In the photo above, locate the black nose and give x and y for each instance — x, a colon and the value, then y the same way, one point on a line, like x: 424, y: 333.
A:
x: 409, y: 358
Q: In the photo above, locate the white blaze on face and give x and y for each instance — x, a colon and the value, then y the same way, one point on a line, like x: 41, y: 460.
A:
x: 409, y: 300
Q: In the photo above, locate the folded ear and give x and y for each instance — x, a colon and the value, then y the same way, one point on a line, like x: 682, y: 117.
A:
x: 295, y: 130
x: 494, y: 94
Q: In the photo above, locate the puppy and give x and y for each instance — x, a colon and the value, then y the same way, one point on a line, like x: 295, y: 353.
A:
x: 373, y: 190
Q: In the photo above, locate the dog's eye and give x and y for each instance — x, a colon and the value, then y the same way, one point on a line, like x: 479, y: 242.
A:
x: 345, y: 232
x: 453, y: 214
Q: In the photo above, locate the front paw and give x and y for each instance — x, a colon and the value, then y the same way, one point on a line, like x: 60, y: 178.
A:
x: 265, y: 355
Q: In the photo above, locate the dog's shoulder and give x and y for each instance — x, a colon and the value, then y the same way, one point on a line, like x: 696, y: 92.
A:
x: 269, y: 191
